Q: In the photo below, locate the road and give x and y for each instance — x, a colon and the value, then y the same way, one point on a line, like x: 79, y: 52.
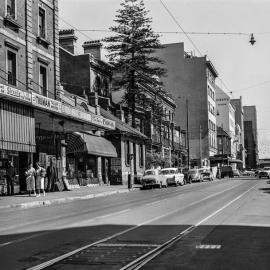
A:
x: 222, y: 225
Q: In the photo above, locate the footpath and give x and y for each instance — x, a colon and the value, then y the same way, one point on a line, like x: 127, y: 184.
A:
x: 24, y: 201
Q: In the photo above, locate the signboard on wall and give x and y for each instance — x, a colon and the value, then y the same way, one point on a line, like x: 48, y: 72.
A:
x: 53, y: 105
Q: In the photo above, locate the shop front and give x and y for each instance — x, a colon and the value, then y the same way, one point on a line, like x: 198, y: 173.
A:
x: 88, y: 158
x: 17, y: 142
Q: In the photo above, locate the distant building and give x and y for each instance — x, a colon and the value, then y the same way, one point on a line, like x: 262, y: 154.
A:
x: 239, y: 122
x: 251, y: 137
x: 226, y: 119
x: 191, y: 80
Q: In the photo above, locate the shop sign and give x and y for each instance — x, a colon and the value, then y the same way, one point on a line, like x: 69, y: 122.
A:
x: 46, y: 103
x: 108, y: 123
x: 15, y: 93
x: 98, y: 120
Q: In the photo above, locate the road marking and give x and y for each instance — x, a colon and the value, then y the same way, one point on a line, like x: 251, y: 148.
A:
x: 186, y: 231
x: 126, y: 245
x: 225, y: 206
x: 23, y: 239
x: 144, y: 259
x: 156, y: 202
x: 208, y: 246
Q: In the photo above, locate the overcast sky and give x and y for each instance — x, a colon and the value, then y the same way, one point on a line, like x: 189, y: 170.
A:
x: 240, y: 65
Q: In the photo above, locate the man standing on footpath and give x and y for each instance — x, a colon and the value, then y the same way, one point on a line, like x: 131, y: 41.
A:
x: 52, y: 176
x: 10, y: 178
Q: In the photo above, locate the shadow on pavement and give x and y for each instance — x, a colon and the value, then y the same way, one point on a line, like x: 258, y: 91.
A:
x: 266, y: 190
x: 206, y: 247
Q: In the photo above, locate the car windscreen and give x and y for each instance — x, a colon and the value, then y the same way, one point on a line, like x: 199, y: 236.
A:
x: 149, y: 173
x: 167, y: 172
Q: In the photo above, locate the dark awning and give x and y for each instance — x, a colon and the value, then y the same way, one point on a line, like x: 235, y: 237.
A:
x: 78, y: 142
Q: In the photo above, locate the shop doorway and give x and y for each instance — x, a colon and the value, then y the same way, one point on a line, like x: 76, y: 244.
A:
x: 23, y: 164
x: 105, y: 170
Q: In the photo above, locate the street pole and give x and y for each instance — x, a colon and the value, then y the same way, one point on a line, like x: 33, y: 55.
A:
x: 200, y: 142
x: 187, y: 133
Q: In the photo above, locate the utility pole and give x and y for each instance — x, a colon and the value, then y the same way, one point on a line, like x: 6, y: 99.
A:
x: 188, y: 157
x: 200, y: 142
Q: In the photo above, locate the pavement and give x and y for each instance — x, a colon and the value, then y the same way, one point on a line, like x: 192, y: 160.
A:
x: 82, y: 193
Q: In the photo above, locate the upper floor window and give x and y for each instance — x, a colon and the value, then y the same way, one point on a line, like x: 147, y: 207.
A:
x: 12, y: 67
x: 11, y: 9
x: 43, y: 85
x: 42, y: 23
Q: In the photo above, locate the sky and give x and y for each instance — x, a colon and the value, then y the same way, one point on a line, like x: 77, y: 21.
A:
x: 243, y: 69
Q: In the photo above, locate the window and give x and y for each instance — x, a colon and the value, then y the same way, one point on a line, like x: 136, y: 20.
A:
x: 11, y: 9
x: 43, y: 80
x: 42, y: 23
x: 127, y: 152
x: 11, y: 67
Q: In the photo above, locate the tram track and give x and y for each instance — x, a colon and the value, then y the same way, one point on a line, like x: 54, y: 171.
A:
x: 130, y: 255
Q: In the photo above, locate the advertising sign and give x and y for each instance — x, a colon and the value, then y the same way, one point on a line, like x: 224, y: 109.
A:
x: 46, y: 103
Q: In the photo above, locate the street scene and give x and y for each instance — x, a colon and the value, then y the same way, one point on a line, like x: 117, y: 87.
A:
x: 134, y: 134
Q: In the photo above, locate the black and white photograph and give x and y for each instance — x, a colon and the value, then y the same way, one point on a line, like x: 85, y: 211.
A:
x: 134, y: 134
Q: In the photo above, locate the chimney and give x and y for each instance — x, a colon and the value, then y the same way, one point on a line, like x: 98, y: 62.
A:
x: 68, y: 39
x: 93, y: 47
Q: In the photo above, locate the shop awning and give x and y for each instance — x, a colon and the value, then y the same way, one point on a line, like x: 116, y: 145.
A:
x: 78, y: 142
x: 17, y: 127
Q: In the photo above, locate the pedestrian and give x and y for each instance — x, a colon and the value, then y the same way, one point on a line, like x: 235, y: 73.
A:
x: 10, y: 178
x: 30, y: 179
x: 40, y: 176
x: 51, y: 176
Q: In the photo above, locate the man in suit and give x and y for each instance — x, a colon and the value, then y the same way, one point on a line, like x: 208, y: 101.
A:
x: 51, y: 176
x: 10, y: 178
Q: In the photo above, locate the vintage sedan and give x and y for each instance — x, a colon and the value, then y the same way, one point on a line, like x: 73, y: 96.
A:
x: 153, y: 178
x: 265, y: 173
x: 173, y: 176
x: 194, y: 175
x: 207, y: 174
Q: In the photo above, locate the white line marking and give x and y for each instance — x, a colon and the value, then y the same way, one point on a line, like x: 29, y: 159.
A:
x: 22, y: 239
x: 225, y: 206
x: 126, y: 245
x: 156, y: 202
x: 64, y: 256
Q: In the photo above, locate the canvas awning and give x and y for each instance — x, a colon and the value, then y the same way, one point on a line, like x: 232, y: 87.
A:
x: 78, y: 142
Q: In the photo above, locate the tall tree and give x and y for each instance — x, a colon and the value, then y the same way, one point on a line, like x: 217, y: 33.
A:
x: 131, y: 52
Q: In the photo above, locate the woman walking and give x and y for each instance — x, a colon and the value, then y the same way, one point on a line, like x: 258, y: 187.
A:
x: 40, y: 175
x: 30, y: 179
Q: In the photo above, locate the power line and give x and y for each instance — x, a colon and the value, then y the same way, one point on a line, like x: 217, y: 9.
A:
x: 78, y: 30
x: 252, y: 86
x: 178, y: 24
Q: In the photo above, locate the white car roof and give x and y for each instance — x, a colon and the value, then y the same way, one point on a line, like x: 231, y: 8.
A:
x: 169, y: 169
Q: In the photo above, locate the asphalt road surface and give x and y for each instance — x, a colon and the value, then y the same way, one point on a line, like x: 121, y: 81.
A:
x: 221, y: 225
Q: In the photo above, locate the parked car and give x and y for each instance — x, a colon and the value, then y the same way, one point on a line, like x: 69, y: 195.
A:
x: 194, y: 175
x: 173, y: 176
x: 236, y: 173
x: 207, y: 174
x: 248, y: 173
x: 153, y: 178
x: 258, y: 171
x: 265, y: 173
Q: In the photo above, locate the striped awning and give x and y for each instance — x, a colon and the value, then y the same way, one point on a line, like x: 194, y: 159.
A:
x: 17, y: 127
x: 78, y: 142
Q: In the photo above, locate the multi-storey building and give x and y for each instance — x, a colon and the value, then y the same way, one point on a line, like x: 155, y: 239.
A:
x: 239, y: 122
x: 87, y: 76
x: 251, y: 137
x: 191, y: 80
x: 34, y: 121
x: 226, y: 119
